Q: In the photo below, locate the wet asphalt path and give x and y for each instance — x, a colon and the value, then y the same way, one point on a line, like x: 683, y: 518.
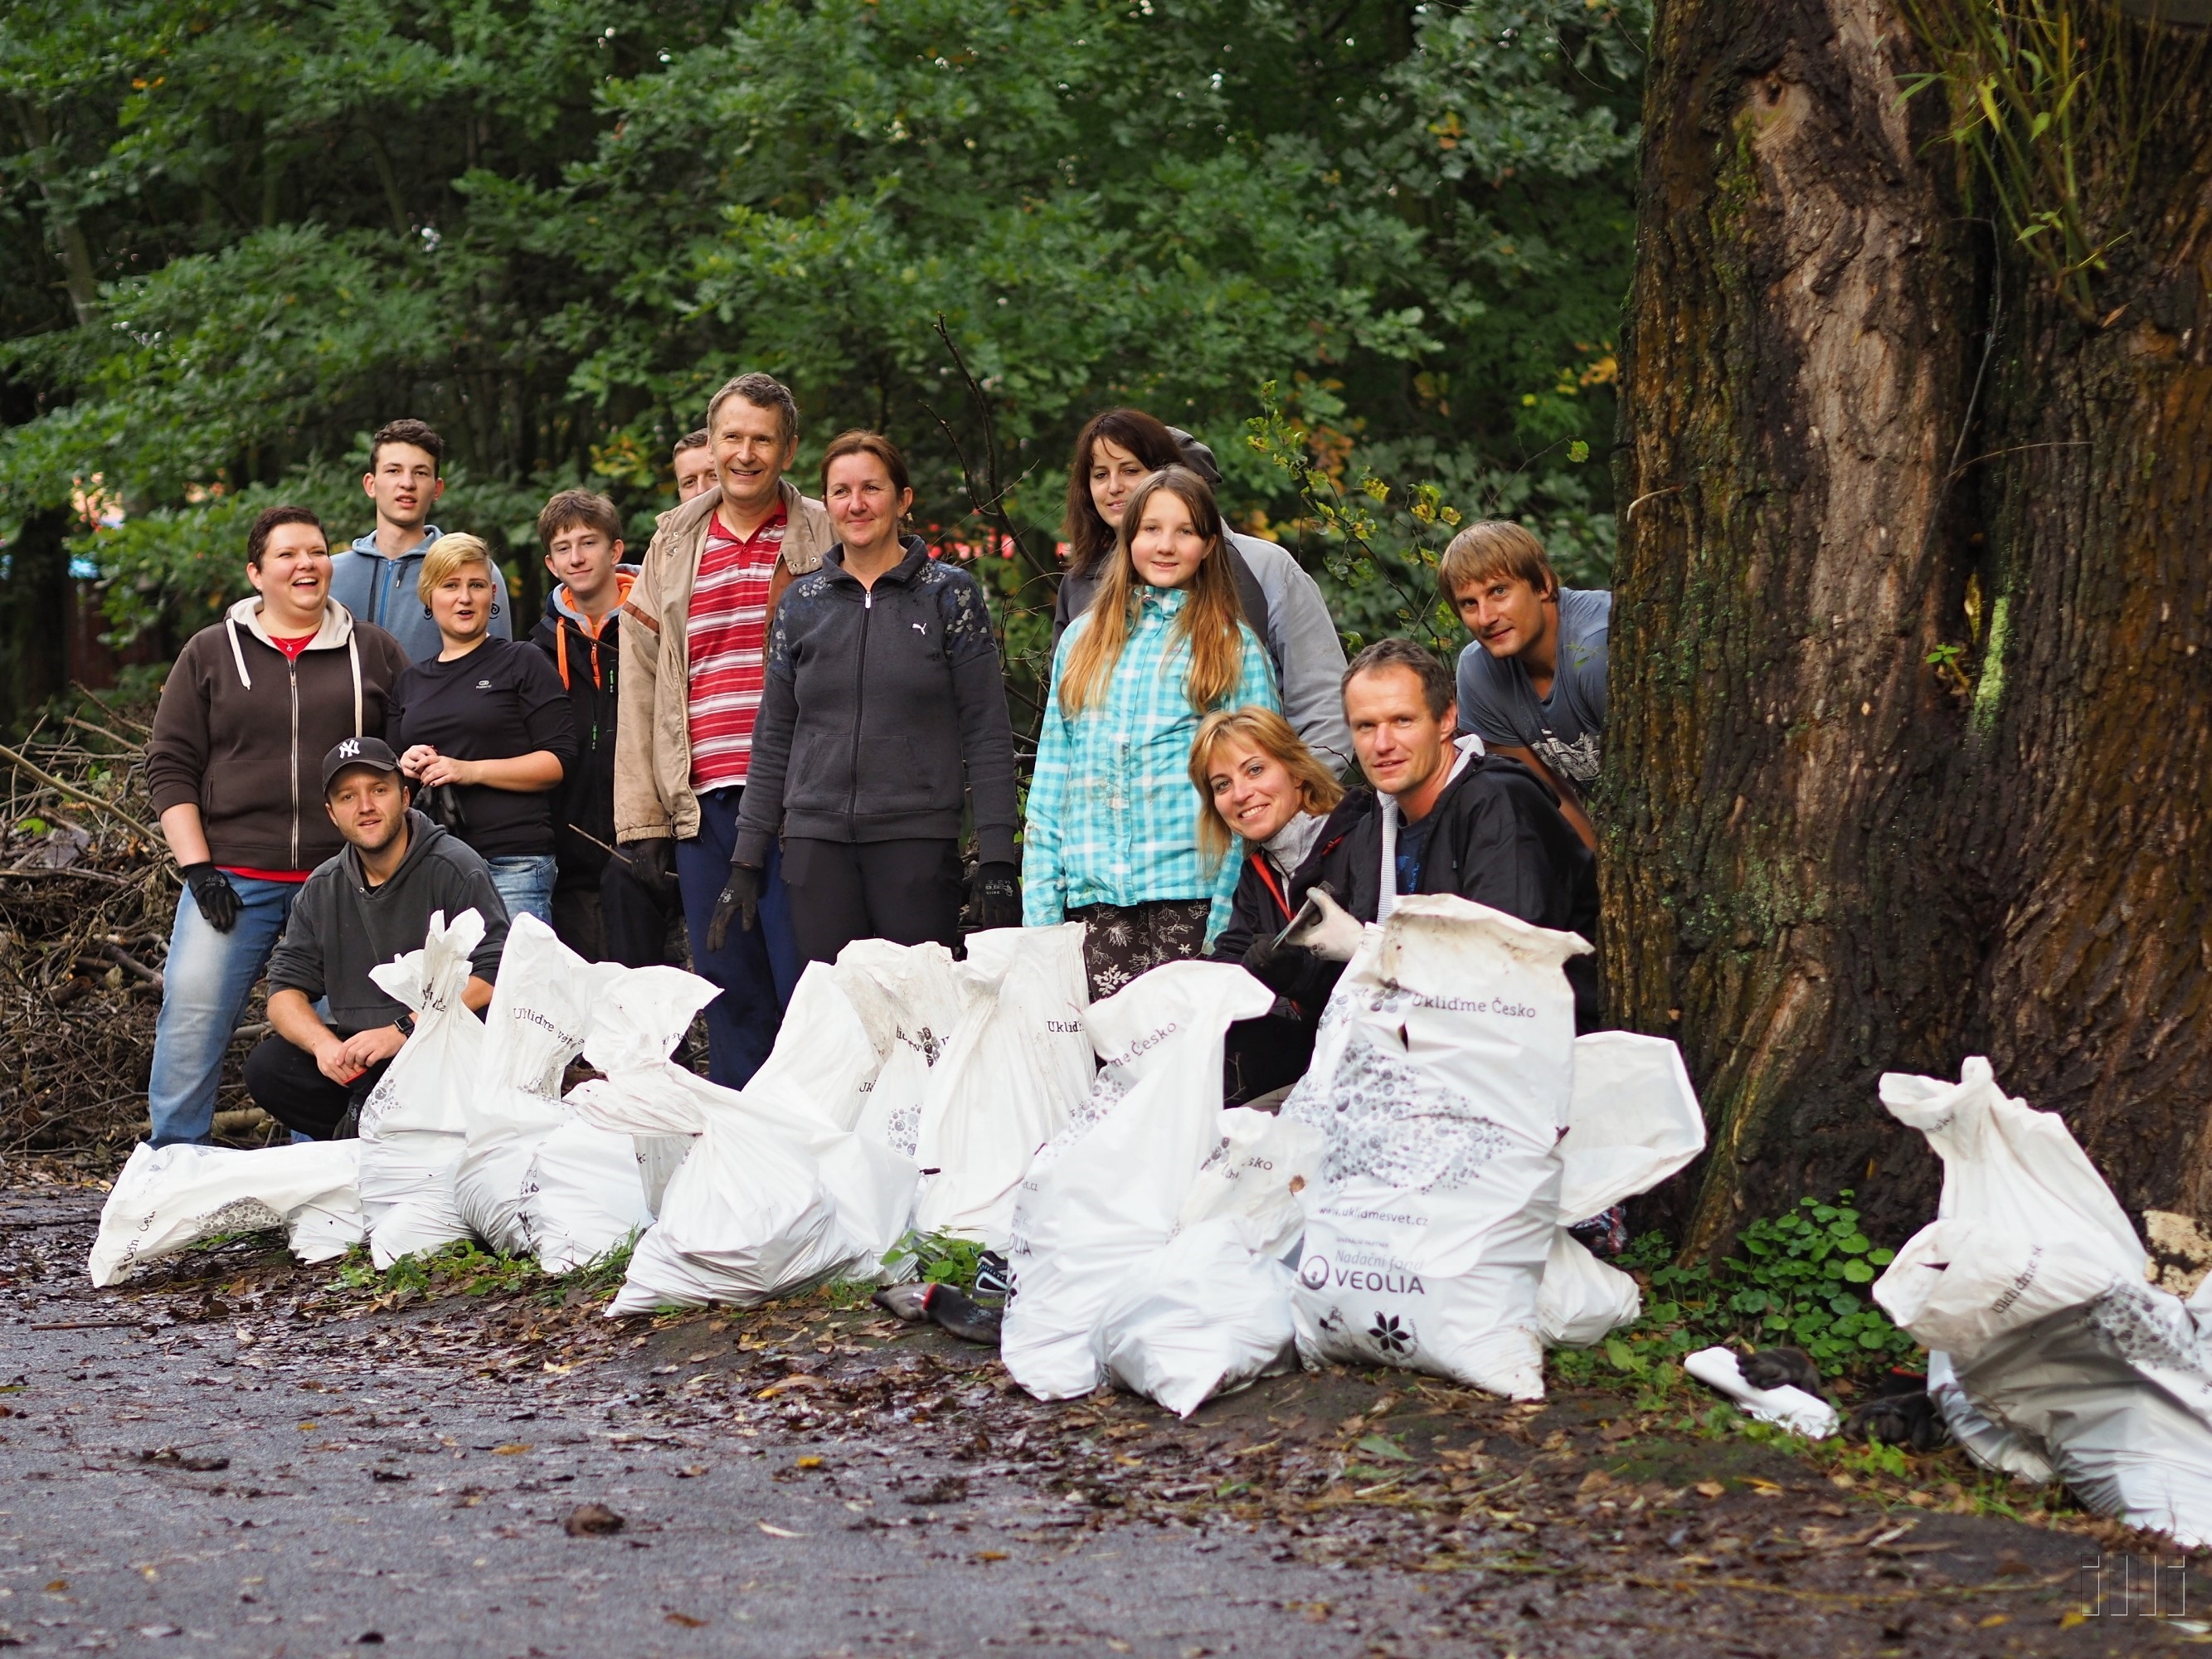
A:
x: 220, y: 1489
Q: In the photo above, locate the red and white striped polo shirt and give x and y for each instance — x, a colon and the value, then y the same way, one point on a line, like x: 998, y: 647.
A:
x: 728, y: 634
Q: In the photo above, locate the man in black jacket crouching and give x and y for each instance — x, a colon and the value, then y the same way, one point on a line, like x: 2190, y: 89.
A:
x: 371, y: 902
x: 1441, y: 817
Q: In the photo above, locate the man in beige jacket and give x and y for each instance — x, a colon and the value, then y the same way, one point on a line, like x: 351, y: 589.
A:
x: 694, y: 650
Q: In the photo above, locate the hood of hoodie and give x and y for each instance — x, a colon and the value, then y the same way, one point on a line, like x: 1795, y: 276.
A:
x: 422, y: 835
x: 366, y: 546
x: 337, y: 626
x: 560, y: 608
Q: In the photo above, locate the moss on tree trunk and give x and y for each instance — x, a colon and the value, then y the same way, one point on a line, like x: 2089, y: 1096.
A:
x: 1828, y: 856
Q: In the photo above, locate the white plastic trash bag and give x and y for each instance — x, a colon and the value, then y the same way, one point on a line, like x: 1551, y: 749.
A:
x: 1442, y: 1073
x: 1632, y: 1121
x: 771, y: 1198
x: 1109, y: 1190
x: 1582, y: 1300
x: 1046, y: 982
x: 1002, y: 1087
x: 520, y: 1191
x: 1787, y: 1407
x: 826, y: 1056
x: 169, y: 1198
x: 2048, y: 1348
x: 1258, y: 1169
x: 414, y: 1123
x: 1204, y: 1314
x: 911, y: 1001
x: 1209, y: 1311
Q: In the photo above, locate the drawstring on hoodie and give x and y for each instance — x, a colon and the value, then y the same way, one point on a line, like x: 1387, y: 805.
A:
x: 353, y: 655
x: 237, y: 656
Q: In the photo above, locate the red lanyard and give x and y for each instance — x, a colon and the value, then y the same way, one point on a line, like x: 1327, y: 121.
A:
x: 1260, y: 863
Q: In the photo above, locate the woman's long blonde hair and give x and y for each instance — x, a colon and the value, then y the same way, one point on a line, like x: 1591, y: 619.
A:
x: 1212, y: 622
x: 1265, y: 730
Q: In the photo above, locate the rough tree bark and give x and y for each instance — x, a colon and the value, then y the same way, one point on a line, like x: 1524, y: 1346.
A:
x: 2093, y: 710
x: 1828, y: 857
x: 1795, y: 379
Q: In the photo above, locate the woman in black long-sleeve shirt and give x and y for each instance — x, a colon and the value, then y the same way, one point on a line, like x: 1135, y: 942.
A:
x: 884, y: 713
x: 484, y: 731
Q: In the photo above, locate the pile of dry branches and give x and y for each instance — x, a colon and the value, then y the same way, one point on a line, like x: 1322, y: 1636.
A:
x: 87, y: 892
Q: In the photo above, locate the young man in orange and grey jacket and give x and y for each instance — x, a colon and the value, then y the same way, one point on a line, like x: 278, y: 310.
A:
x: 695, y: 646
x: 234, y: 767
x: 601, y: 910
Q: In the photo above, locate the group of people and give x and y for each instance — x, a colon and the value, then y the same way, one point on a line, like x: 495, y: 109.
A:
x: 784, y: 723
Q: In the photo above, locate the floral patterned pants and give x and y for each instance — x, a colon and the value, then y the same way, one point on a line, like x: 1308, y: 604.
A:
x: 1121, y: 941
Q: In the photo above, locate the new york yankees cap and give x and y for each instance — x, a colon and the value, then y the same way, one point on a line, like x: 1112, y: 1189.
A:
x: 372, y: 752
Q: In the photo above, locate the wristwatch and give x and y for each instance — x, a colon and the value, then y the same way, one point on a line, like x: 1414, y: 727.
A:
x: 406, y: 1024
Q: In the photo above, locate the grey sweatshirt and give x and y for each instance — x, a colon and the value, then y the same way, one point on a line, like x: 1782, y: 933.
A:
x: 341, y: 927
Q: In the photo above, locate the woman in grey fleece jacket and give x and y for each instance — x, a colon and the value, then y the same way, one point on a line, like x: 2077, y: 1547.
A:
x: 883, y: 716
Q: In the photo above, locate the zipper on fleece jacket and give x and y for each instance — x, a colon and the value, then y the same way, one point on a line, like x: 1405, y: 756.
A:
x: 860, y: 703
x: 293, y: 663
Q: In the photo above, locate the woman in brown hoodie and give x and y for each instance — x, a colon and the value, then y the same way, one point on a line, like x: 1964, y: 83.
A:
x: 246, y: 715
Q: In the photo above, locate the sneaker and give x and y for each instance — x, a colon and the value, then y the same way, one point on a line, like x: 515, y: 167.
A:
x: 995, y: 1279
x: 1604, y: 1233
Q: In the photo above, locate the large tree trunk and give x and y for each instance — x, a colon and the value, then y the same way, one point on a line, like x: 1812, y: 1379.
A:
x: 2093, y: 710
x: 1781, y: 894
x: 1828, y: 856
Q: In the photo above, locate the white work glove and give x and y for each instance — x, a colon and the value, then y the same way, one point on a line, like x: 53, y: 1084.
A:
x: 1330, y: 932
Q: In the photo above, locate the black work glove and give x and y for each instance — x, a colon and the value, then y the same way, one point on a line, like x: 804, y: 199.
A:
x: 741, y: 898
x: 1280, y: 967
x: 1899, y: 1419
x: 212, y: 892
x: 994, y: 896
x: 1775, y: 1367
x: 441, y: 805
x: 652, y: 862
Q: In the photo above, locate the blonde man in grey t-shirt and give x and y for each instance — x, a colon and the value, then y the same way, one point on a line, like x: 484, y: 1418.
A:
x: 1532, y: 686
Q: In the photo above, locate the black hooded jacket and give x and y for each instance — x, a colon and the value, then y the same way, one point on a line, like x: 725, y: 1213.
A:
x: 1496, y: 838
x: 589, y: 667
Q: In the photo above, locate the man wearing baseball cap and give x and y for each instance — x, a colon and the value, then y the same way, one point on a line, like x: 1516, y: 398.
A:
x: 371, y: 902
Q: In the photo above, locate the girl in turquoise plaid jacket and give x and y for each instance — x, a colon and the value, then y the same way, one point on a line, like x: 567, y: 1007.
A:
x: 1111, y: 838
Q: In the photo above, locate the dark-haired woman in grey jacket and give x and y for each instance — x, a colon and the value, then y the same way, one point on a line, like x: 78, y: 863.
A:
x: 883, y: 718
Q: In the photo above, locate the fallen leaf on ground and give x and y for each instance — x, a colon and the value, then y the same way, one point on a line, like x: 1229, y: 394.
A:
x: 589, y: 1519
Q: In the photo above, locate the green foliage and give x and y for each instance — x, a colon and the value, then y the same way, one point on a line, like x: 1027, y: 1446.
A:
x: 1802, y: 1279
x: 938, y: 1258
x: 466, y: 1268
x: 244, y: 234
x: 1798, y: 1280
x: 2054, y: 101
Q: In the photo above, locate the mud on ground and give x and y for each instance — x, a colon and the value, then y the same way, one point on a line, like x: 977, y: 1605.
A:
x: 255, y: 1458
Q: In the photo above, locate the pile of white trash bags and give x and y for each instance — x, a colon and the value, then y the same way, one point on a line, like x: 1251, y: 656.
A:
x: 2050, y: 1354
x: 906, y: 1089
x: 1407, y: 1208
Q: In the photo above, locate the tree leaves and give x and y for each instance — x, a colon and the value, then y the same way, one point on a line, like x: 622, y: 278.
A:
x: 552, y: 236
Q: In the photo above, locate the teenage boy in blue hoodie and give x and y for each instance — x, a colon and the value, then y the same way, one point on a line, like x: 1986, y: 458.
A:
x: 374, y: 579
x: 601, y: 910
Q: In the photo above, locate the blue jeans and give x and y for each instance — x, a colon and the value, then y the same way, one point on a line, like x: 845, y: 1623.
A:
x: 525, y: 884
x: 205, y: 984
x: 756, y: 968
